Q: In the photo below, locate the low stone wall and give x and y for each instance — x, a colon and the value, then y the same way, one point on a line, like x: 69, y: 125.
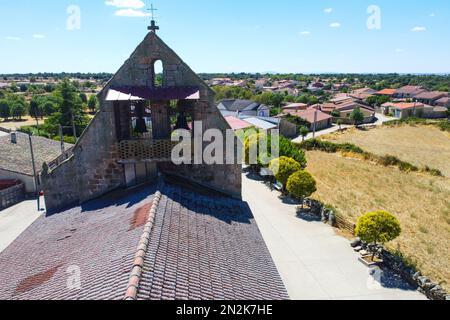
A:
x: 348, y: 121
x: 430, y: 289
x: 12, y: 195
x: 394, y: 263
x: 5, y: 130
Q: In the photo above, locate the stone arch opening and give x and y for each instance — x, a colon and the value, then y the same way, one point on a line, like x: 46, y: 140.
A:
x: 158, y: 73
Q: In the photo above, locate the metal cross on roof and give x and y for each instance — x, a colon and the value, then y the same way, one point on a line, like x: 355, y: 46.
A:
x: 153, y: 27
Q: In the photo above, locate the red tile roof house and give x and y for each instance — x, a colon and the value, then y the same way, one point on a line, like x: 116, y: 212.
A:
x: 185, y: 234
x: 443, y: 102
x: 402, y: 110
x: 408, y: 92
x: 237, y: 124
x: 311, y: 115
x: 386, y: 92
x: 430, y: 98
x: 295, y: 106
x: 363, y: 93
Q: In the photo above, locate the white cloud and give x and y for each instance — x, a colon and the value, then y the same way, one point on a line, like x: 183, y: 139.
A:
x: 335, y: 25
x: 13, y: 38
x: 328, y: 10
x: 419, y: 29
x: 135, y: 4
x: 38, y: 36
x: 131, y: 13
x: 305, y: 33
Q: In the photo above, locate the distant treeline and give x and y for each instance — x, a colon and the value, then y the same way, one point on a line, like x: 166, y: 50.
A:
x: 433, y: 82
x: 376, y: 81
x: 62, y: 75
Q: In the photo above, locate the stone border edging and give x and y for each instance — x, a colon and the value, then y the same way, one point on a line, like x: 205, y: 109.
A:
x: 138, y: 263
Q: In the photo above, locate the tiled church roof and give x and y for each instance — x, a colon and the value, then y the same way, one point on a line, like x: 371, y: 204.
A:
x: 174, y: 245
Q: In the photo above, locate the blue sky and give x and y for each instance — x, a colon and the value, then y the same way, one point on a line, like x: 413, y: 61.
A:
x: 230, y: 35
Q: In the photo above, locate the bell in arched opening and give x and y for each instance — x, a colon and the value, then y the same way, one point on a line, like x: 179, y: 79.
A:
x: 141, y: 126
x: 182, y: 122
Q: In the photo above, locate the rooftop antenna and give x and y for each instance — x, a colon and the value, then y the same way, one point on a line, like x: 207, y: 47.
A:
x: 153, y: 27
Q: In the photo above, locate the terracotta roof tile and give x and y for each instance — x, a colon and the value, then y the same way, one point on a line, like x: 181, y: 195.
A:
x: 192, y: 246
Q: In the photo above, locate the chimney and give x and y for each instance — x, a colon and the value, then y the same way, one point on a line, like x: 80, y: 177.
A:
x: 14, y: 137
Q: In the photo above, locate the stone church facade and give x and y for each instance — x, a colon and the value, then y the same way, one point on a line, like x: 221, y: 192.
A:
x: 122, y: 147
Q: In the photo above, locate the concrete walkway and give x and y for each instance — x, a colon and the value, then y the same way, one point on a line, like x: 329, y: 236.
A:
x: 314, y: 262
x: 15, y: 220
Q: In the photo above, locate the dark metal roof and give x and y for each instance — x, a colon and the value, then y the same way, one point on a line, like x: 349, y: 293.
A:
x: 125, y: 93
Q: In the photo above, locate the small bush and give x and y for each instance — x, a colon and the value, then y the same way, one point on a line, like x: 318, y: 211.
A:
x: 283, y: 168
x: 301, y: 184
x: 378, y: 227
x: 330, y: 147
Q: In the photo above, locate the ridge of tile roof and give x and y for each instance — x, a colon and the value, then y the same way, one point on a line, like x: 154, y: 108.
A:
x: 207, y: 247
x: 159, y: 241
x: 138, y: 263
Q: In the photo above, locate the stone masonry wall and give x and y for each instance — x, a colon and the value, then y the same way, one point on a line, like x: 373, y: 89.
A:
x: 92, y: 170
x: 137, y: 71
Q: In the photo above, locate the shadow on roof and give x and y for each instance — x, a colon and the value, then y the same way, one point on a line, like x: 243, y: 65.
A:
x: 120, y: 197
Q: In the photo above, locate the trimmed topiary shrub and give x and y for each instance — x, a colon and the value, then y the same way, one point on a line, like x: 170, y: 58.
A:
x: 378, y: 227
x: 301, y: 184
x: 283, y: 168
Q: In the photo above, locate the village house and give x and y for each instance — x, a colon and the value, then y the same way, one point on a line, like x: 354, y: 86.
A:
x: 133, y: 224
x: 315, y: 118
x: 386, y: 92
x: 235, y: 107
x: 408, y: 92
x: 237, y: 124
x: 295, y: 106
x: 431, y: 97
x: 316, y: 86
x: 15, y: 157
x: 363, y: 93
x: 443, y: 102
x: 345, y: 109
x: 402, y: 110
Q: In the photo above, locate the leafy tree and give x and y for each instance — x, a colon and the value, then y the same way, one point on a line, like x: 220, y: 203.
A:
x: 18, y: 110
x: 92, y: 103
x: 14, y: 87
x: 253, y: 144
x: 304, y: 132
x: 357, y: 116
x: 5, y: 111
x: 339, y: 123
x: 83, y: 97
x: 23, y: 88
x: 70, y: 107
x: 335, y: 113
x: 378, y: 100
x: 291, y: 150
x: 49, y: 107
x: 34, y: 109
x: 378, y: 227
x: 283, y: 168
x: 301, y: 184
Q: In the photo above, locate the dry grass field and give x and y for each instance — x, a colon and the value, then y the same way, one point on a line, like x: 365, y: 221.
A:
x: 420, y: 201
x: 26, y: 121
x: 419, y: 145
